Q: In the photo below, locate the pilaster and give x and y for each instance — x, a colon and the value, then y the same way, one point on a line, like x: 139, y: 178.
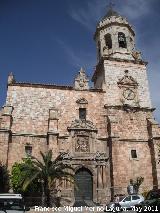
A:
x: 5, y: 132
x: 53, y: 131
x: 154, y: 138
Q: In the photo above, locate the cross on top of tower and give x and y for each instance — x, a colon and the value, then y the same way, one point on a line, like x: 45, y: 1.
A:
x: 110, y: 11
x: 111, y: 4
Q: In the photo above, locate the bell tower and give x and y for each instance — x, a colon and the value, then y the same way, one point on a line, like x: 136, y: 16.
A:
x: 115, y: 37
x: 122, y: 74
x: 118, y: 61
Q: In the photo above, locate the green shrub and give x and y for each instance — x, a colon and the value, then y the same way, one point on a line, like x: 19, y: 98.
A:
x: 18, y: 176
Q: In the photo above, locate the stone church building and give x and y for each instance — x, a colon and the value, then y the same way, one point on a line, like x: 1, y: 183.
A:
x: 106, y: 133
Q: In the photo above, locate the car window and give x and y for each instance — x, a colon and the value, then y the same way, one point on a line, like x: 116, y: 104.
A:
x: 127, y: 199
x: 135, y: 197
x: 121, y: 198
x: 11, y: 204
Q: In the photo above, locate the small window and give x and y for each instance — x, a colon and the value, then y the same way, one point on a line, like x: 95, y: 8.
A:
x: 122, y: 40
x: 134, y: 197
x: 108, y: 41
x: 28, y: 150
x: 133, y: 153
x: 82, y: 113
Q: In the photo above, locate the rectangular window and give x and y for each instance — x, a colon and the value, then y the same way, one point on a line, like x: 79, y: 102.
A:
x: 135, y: 197
x: 133, y: 153
x: 28, y: 151
x: 82, y: 113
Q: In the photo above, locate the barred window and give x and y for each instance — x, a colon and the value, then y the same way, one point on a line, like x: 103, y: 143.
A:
x: 133, y: 153
x: 28, y: 150
x: 82, y: 113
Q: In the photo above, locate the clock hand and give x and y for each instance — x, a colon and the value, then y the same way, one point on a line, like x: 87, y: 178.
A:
x: 130, y: 93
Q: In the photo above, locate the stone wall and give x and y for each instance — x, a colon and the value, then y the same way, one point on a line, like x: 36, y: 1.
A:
x: 32, y: 105
x: 114, y: 71
x: 128, y: 131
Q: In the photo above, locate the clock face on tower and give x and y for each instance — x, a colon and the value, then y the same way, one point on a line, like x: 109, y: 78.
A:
x: 129, y: 94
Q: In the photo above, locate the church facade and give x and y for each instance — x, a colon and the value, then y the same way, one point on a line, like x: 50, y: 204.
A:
x: 107, y: 133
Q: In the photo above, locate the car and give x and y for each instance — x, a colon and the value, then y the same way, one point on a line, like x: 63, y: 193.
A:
x: 151, y: 203
x: 12, y: 203
x: 131, y: 200
x: 125, y: 203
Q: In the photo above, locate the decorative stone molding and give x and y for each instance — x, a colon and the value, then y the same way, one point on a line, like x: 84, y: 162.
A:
x: 66, y: 155
x: 7, y: 110
x: 53, y: 114
x: 137, y: 55
x: 127, y: 81
x: 102, y: 158
x: 82, y: 101
x: 120, y: 107
x: 112, y: 119
x: 83, y: 125
x: 81, y: 81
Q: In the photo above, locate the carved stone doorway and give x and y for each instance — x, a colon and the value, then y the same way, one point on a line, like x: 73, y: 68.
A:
x: 83, y: 185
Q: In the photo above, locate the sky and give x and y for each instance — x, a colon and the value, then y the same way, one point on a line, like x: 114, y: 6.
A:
x: 48, y: 41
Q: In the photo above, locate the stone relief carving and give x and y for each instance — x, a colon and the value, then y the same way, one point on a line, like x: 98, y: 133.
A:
x: 137, y: 55
x: 81, y: 81
x: 127, y: 80
x: 66, y: 155
x: 99, y: 155
x: 128, y: 90
x: 82, y: 101
x: 82, y: 124
x: 82, y: 144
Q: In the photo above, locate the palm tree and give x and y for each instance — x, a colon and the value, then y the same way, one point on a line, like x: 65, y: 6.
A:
x: 47, y: 172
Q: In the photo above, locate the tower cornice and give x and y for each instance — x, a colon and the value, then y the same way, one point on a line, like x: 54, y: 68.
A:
x: 115, y: 23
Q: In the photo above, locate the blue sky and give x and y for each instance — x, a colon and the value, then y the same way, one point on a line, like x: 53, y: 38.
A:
x: 47, y: 41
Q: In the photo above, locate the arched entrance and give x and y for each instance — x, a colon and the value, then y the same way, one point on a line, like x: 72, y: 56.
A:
x: 83, y: 185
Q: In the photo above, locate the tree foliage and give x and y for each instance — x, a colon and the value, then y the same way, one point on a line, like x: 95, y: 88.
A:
x: 4, y: 178
x: 18, y: 176
x: 45, y: 172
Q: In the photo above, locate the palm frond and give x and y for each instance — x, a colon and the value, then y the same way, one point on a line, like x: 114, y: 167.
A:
x: 29, y: 180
